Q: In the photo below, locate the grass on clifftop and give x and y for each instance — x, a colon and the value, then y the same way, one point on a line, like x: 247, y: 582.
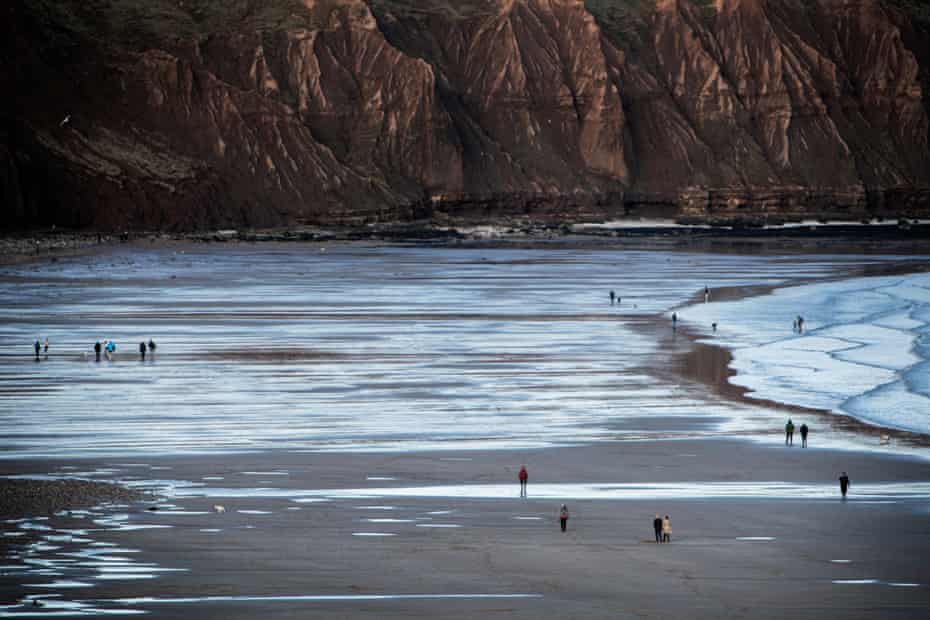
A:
x: 148, y: 23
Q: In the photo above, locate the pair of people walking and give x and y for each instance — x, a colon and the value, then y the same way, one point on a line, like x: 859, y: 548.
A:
x: 38, y: 346
x: 663, y: 529
x: 789, y: 434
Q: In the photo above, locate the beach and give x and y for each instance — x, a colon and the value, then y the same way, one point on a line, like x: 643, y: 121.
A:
x: 360, y: 414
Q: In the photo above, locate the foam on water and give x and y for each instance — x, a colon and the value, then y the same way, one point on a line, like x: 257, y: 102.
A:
x: 864, y: 352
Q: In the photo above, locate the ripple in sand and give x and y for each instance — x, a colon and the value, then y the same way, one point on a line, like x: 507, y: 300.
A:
x: 756, y: 538
x: 855, y: 582
x: 438, y: 525
x: 373, y: 534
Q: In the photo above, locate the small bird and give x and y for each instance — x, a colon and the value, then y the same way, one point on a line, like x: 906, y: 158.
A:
x: 66, y: 120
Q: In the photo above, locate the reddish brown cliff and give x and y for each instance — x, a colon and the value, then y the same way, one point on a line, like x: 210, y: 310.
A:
x: 200, y: 113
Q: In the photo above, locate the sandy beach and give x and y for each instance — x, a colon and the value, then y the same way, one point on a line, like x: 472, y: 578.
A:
x: 344, y: 516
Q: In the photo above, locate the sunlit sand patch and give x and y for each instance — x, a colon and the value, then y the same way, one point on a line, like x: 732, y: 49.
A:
x: 440, y: 512
x: 210, y: 530
x: 841, y: 561
x: 276, y: 472
x: 855, y: 582
x: 213, y: 478
x: 904, y: 585
x: 520, y: 518
x: 756, y: 538
x: 385, y: 520
x: 373, y: 534
x: 380, y: 478
x: 439, y: 525
x: 253, y: 512
x: 374, y: 507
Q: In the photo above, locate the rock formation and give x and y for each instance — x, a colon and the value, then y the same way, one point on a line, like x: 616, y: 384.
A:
x: 188, y: 114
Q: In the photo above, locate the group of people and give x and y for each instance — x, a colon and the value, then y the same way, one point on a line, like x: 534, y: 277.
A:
x: 789, y: 433
x: 789, y: 441
x: 108, y: 348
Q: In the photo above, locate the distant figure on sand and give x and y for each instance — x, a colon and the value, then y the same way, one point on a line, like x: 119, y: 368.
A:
x: 804, y: 431
x: 713, y: 326
x: 706, y: 294
x: 789, y: 433
x: 674, y: 320
x: 109, y: 349
x: 45, y: 348
x: 612, y: 296
x: 563, y: 517
x: 152, y: 347
x: 800, y: 324
x: 97, y: 349
x: 142, y: 350
x: 38, y: 347
x: 666, y: 529
x: 523, y: 476
x: 657, y: 526
x: 844, y: 484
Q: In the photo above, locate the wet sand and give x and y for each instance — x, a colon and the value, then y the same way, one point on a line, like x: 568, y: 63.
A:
x: 273, y: 553
x: 720, y: 561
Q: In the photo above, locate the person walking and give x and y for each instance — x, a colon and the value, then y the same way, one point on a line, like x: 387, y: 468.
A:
x: 706, y: 294
x: 97, y: 349
x: 612, y: 297
x: 152, y: 347
x: 38, y: 347
x: 45, y: 348
x: 674, y: 320
x: 666, y: 529
x: 657, y: 526
x: 563, y: 517
x: 142, y: 350
x: 789, y: 433
x: 804, y: 431
x: 800, y: 324
x: 523, y: 476
x: 844, y: 484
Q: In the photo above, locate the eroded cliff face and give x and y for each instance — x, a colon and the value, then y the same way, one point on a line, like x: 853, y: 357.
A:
x: 352, y: 111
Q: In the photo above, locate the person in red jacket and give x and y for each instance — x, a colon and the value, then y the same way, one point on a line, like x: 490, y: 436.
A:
x: 563, y: 517
x: 523, y: 476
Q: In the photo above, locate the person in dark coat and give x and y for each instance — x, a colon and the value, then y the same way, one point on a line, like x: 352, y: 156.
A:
x: 657, y: 526
x: 97, y: 349
x: 844, y: 484
x: 142, y: 350
x: 38, y: 347
x: 563, y: 517
x: 804, y: 431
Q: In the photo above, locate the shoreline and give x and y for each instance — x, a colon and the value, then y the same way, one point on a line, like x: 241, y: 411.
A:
x: 693, y: 364
x: 40, y: 246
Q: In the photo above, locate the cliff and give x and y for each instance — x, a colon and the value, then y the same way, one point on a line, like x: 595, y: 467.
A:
x: 188, y: 114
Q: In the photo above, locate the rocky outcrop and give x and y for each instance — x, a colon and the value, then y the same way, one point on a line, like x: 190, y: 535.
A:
x: 159, y: 116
